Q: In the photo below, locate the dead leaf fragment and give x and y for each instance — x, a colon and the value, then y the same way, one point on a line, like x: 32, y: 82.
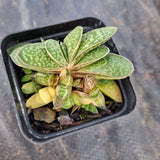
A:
x: 65, y: 120
x: 44, y: 114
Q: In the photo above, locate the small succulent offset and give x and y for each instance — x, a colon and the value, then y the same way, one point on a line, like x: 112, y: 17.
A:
x: 75, y: 73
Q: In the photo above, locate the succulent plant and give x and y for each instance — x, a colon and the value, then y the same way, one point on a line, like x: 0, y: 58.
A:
x: 78, y: 70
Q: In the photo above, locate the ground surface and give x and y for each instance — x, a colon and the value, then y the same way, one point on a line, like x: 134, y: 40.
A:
x: 132, y: 137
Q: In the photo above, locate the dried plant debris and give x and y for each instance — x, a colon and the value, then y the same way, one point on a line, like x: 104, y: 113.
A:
x: 71, y: 82
x: 44, y: 114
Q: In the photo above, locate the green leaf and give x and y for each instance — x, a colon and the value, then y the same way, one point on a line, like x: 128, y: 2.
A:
x: 42, y: 40
x: 90, y: 108
x: 77, y: 83
x: 92, y: 56
x: 54, y: 51
x: 64, y: 51
x: 44, y: 79
x: 11, y: 49
x: 27, y: 71
x: 35, y: 57
x: 26, y: 78
x: 97, y: 98
x: 93, y: 108
x: 76, y: 99
x: 30, y: 88
x: 63, y: 91
x: 72, y: 41
x: 110, y: 89
x: 99, y: 101
x: 94, y: 38
x: 68, y: 103
x: 66, y: 81
x: 14, y: 55
x: 112, y: 66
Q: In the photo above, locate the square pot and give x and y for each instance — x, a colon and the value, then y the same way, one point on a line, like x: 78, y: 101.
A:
x: 58, y: 31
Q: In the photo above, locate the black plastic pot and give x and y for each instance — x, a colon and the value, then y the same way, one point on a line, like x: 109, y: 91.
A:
x: 58, y: 31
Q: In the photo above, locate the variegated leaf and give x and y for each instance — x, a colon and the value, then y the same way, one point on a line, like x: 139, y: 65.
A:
x: 92, y: 56
x: 104, y: 77
x: 93, y: 39
x: 64, y: 50
x: 110, y: 89
x: 11, y: 49
x: 72, y: 41
x: 35, y: 57
x: 112, y: 65
x: 13, y: 56
x: 54, y: 51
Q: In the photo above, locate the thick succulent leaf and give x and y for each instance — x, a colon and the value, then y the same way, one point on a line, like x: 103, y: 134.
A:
x: 68, y: 103
x: 112, y: 65
x: 11, y: 49
x: 44, y: 79
x: 92, y: 56
x: 90, y: 108
x: 54, y: 51
x: 14, y: 55
x: 20, y: 63
x: 104, y: 77
x: 84, y: 98
x: 110, y: 89
x: 44, y: 70
x: 30, y: 87
x: 93, y: 39
x: 72, y: 41
x: 35, y: 57
x: 27, y: 71
x: 64, y: 50
x: 63, y: 91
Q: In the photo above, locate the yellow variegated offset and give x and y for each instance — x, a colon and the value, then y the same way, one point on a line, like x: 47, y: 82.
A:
x: 84, y: 70
x: 110, y: 89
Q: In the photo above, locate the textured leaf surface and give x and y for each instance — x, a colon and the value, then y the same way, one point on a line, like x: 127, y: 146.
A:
x: 92, y: 56
x: 11, y: 49
x: 14, y: 55
x: 72, y: 41
x: 16, y: 59
x: 112, y: 65
x: 35, y: 57
x: 64, y: 50
x: 63, y: 91
x: 94, y: 38
x: 110, y: 89
x: 54, y: 51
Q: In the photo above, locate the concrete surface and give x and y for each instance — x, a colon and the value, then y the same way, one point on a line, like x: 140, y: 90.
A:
x: 132, y: 137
